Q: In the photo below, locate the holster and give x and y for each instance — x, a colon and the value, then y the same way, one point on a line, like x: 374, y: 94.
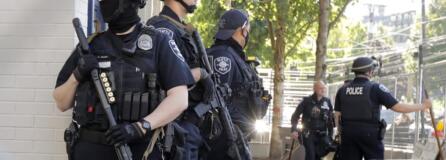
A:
x: 71, y: 136
x: 382, y: 129
x: 174, y: 141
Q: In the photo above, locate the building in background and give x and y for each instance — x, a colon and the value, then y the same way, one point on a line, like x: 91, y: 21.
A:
x: 36, y: 38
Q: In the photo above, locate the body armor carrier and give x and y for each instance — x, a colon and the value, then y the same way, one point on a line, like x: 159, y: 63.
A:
x: 357, y: 104
x: 131, y: 80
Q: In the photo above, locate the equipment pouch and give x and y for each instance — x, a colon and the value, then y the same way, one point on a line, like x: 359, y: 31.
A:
x: 382, y: 129
x: 84, y: 108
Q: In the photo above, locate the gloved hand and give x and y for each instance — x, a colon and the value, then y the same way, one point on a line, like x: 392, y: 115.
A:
x: 209, y: 88
x: 84, y: 66
x: 124, y: 133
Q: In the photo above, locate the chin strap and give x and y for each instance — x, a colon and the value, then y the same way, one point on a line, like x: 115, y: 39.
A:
x: 189, y: 8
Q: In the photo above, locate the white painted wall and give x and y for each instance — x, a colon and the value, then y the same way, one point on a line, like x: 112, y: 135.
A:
x: 36, y: 38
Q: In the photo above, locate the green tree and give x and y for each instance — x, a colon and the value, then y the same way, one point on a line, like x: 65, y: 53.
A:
x: 437, y: 10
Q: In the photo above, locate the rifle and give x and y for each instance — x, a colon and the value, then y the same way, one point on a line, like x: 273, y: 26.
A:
x: 122, y: 151
x: 218, y: 101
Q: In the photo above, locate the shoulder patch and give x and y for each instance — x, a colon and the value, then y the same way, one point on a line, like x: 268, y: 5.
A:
x: 145, y: 42
x: 222, y: 65
x: 176, y: 50
x: 166, y: 31
x: 383, y: 88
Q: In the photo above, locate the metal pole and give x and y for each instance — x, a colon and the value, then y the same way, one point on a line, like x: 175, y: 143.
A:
x: 393, y: 123
x: 420, y: 65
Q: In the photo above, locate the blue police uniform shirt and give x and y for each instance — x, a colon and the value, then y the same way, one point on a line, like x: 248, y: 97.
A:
x: 165, y: 26
x: 379, y: 94
x: 171, y: 68
x: 225, y: 64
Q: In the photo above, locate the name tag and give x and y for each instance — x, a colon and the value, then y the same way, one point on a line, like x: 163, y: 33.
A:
x: 106, y: 64
x: 354, y: 91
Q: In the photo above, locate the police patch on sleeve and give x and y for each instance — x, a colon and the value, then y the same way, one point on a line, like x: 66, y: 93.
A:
x: 166, y: 31
x: 176, y: 50
x: 222, y: 65
x: 145, y: 42
x: 383, y: 88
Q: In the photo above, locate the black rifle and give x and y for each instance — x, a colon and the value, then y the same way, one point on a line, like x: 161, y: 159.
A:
x: 123, y: 151
x: 218, y: 102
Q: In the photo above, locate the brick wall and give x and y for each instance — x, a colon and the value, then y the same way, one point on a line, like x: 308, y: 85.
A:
x: 36, y: 37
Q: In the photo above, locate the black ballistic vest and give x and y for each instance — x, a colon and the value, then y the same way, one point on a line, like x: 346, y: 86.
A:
x: 128, y: 73
x: 357, y: 105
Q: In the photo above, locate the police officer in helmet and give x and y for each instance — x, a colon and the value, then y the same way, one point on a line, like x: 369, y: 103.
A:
x: 140, y: 65
x: 357, y: 110
x: 170, y: 22
x: 318, y: 122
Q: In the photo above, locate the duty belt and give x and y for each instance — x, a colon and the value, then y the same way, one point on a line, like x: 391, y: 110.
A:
x: 316, y: 131
x: 360, y: 123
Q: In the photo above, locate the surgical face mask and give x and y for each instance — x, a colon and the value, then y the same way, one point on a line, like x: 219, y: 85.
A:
x: 246, y: 40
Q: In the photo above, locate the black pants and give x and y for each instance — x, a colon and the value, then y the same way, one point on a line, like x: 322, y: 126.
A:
x: 220, y: 147
x: 315, y: 146
x: 94, y: 151
x: 358, y: 141
x: 194, y: 141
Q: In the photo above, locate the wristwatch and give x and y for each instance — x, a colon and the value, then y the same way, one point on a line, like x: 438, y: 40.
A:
x: 145, y: 125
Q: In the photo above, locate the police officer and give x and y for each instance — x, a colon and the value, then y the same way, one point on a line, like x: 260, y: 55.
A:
x: 358, y: 106
x: 170, y: 22
x: 129, y: 55
x: 317, y: 119
x: 245, y: 104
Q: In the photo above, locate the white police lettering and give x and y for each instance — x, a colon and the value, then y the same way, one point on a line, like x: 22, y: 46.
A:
x: 222, y: 65
x: 175, y: 50
x: 383, y: 88
x: 166, y: 31
x: 145, y: 42
x: 354, y: 91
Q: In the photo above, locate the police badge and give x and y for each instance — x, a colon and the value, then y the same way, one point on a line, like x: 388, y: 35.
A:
x: 145, y: 42
x: 222, y: 65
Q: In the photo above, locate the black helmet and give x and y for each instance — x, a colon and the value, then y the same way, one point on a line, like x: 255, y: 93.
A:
x: 113, y: 9
x: 363, y: 64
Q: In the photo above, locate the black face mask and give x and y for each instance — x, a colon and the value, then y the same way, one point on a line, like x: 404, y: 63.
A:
x: 189, y: 8
x: 120, y: 15
x: 246, y: 40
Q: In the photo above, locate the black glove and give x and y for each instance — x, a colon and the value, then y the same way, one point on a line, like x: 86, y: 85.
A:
x: 209, y: 88
x: 123, y: 133
x: 84, y: 66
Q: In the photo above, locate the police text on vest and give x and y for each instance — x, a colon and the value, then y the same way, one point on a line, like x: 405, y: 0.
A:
x: 354, y: 90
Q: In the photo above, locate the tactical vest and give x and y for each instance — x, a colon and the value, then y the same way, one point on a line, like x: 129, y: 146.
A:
x: 356, y: 104
x: 248, y: 94
x: 191, y: 49
x: 132, y: 81
x: 316, y: 116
